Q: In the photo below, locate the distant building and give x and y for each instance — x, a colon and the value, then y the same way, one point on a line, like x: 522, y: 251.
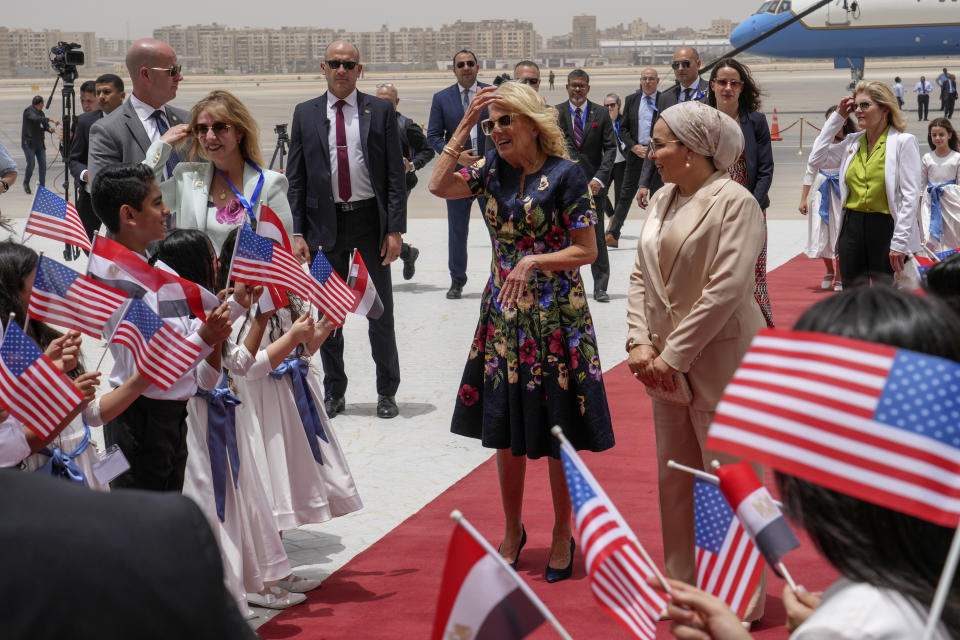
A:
x: 25, y: 51
x: 584, y: 32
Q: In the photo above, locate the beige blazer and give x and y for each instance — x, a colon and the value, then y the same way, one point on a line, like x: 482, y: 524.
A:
x: 691, y: 292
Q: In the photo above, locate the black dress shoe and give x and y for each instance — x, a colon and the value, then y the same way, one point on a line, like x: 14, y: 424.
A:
x: 455, y: 292
x: 409, y: 263
x: 26, y: 187
x: 556, y: 575
x: 601, y: 296
x: 387, y: 407
x: 334, y: 405
x: 523, y: 541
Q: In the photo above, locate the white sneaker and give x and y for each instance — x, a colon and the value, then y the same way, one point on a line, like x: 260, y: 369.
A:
x: 298, y: 584
x: 275, y: 598
x: 838, y: 287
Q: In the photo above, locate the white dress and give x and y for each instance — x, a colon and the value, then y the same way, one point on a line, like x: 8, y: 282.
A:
x: 936, y: 170
x: 69, y: 440
x: 250, y: 544
x: 822, y: 236
x: 859, y: 611
x: 302, y: 490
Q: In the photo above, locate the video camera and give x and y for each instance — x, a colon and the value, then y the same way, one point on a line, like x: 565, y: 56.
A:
x: 65, y: 57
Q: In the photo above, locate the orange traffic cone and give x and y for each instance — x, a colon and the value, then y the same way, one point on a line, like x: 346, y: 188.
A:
x: 775, y: 131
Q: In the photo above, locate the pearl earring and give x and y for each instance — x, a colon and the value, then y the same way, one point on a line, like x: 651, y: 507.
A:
x: 687, y: 163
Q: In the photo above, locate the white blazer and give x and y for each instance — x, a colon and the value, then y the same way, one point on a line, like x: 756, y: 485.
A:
x: 901, y: 176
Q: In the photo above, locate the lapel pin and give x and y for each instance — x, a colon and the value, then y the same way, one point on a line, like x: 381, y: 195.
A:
x: 198, y: 184
x: 366, y: 111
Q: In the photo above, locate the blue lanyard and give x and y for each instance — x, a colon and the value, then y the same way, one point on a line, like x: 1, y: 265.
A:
x: 256, y: 192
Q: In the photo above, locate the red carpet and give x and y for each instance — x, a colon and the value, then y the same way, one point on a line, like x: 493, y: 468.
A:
x: 390, y: 590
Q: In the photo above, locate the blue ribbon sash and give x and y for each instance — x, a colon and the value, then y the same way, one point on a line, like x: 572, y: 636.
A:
x: 61, y: 465
x: 936, y: 213
x: 221, y: 439
x: 298, y: 369
x: 256, y: 192
x: 830, y: 183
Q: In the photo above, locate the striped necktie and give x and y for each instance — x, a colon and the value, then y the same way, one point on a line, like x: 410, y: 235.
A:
x: 578, y: 126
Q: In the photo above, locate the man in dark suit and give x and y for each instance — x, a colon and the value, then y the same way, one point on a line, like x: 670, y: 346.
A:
x: 686, y: 69
x: 636, y: 125
x: 138, y: 565
x: 416, y: 154
x: 347, y: 191
x: 446, y: 111
x: 33, y: 132
x: 124, y: 136
x: 109, y: 94
x: 592, y: 144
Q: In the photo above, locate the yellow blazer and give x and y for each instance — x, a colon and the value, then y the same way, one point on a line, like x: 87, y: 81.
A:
x: 692, y: 292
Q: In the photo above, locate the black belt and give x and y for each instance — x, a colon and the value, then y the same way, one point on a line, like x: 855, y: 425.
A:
x: 343, y: 207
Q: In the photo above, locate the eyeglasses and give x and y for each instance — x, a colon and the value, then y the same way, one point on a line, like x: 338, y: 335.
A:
x: 349, y: 65
x: 577, y: 87
x: 503, y: 122
x: 653, y: 79
x: 676, y: 64
x: 384, y: 85
x: 466, y: 63
x: 530, y: 81
x: 862, y: 106
x: 660, y: 145
x: 612, y: 105
x: 217, y: 128
x: 733, y: 84
x: 174, y: 71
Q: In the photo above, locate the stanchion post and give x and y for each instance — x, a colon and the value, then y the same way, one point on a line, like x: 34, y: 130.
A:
x: 800, y: 150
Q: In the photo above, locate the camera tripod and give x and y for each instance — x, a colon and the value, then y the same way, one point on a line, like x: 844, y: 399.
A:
x: 67, y: 74
x: 283, y: 140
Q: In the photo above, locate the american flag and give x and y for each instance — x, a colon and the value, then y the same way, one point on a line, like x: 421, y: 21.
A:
x: 270, y: 226
x: 338, y: 299
x: 615, y: 562
x: 68, y: 299
x: 728, y: 563
x: 258, y: 261
x: 32, y: 389
x: 53, y: 217
x: 875, y: 422
x: 162, y: 355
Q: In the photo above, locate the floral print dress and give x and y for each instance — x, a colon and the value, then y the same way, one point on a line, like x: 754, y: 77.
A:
x: 738, y: 173
x: 535, y: 365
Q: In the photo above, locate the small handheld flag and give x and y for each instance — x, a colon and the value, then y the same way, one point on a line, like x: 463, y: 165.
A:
x: 368, y: 301
x: 65, y: 298
x: 32, y: 389
x: 161, y: 354
x: 53, y: 217
x: 336, y: 297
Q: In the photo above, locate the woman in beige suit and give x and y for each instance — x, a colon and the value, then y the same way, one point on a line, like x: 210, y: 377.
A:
x: 691, y: 309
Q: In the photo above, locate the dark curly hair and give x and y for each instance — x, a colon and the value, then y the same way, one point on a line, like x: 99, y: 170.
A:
x: 749, y: 97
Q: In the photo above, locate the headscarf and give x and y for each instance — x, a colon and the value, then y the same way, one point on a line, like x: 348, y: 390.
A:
x: 706, y: 131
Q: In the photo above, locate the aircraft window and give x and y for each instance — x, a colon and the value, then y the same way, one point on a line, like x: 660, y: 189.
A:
x: 767, y: 7
x: 784, y: 6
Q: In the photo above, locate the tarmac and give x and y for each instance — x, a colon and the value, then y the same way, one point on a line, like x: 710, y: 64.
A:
x: 400, y: 465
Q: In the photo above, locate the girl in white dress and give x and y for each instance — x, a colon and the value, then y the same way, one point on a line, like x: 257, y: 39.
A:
x: 940, y: 207
x: 221, y: 474
x: 824, y: 221
x: 301, y: 463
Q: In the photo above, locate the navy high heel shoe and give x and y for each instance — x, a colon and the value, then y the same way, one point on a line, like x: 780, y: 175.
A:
x: 556, y: 575
x: 523, y: 541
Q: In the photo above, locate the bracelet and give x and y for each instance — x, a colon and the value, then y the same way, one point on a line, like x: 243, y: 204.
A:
x: 450, y: 151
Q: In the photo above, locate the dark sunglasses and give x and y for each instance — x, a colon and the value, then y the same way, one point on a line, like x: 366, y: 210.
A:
x: 733, y: 84
x: 216, y: 127
x: 612, y: 105
x: 862, y: 106
x: 503, y: 121
x: 676, y: 64
x: 530, y: 81
x: 173, y: 71
x: 466, y: 63
x: 349, y: 65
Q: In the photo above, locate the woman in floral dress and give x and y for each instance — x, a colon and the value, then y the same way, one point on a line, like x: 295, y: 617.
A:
x: 533, y: 363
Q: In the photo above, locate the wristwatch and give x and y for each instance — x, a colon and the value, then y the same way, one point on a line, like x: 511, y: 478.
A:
x: 6, y: 185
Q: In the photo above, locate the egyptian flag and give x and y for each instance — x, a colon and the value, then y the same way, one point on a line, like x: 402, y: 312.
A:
x: 757, y: 512
x: 368, y: 300
x: 479, y: 599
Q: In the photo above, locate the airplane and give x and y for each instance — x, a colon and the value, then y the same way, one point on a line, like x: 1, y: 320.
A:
x: 849, y: 31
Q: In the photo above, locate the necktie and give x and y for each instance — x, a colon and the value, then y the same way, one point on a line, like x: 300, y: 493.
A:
x: 578, y: 126
x: 162, y: 128
x: 343, y: 160
x: 465, y: 100
x: 686, y: 94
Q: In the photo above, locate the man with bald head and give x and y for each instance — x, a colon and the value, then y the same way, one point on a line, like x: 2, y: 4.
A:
x: 347, y: 193
x: 124, y: 136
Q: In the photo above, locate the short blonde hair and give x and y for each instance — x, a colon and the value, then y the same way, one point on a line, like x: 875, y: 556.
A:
x: 516, y: 97
x: 226, y: 107
x: 882, y: 95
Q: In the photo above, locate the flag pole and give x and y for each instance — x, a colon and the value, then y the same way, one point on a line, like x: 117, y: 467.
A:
x: 703, y: 475
x: 943, y: 588
x: 106, y: 347
x: 459, y: 518
x: 558, y: 433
